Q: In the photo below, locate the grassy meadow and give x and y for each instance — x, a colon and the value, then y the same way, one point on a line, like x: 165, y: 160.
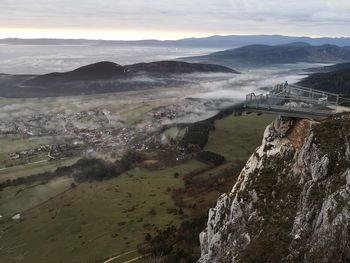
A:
x: 236, y: 137
x: 91, y: 222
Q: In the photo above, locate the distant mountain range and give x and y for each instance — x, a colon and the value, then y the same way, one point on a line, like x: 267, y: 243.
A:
x: 265, y: 55
x: 103, y: 77
x: 230, y: 41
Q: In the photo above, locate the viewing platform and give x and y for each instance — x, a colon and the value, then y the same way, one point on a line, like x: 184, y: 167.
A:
x: 296, y: 101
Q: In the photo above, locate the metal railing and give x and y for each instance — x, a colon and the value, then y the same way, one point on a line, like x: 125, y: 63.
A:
x: 296, y: 99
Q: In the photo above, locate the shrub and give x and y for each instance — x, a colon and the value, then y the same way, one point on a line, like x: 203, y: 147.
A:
x: 152, y: 211
x: 211, y: 157
x: 177, y: 244
x: 148, y: 237
x: 198, y: 133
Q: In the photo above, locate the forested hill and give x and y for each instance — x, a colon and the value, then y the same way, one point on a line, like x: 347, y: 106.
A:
x: 334, y: 81
x: 105, y: 77
x: 109, y: 70
x: 263, y: 55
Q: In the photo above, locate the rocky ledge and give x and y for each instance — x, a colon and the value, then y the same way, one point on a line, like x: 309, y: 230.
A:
x: 291, y: 202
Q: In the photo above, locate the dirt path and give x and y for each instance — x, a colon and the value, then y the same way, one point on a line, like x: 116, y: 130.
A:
x: 119, y: 256
x: 136, y: 259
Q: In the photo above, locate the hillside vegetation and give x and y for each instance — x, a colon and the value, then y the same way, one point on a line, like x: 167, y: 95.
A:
x: 262, y: 55
x: 104, y: 77
x: 334, y: 81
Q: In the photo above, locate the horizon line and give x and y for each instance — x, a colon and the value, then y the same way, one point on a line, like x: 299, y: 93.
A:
x: 171, y: 40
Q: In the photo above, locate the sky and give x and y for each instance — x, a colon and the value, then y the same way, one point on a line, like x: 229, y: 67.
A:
x: 169, y: 19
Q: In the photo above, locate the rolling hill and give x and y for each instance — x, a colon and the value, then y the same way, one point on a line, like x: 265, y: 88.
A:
x: 264, y: 55
x: 103, y: 77
x: 100, y: 70
x: 177, y: 67
x: 106, y: 70
x: 334, y: 81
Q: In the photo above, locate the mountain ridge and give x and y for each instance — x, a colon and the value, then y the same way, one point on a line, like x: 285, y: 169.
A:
x: 105, y: 77
x: 222, y: 41
x: 110, y: 70
x: 265, y: 55
x: 337, y: 81
x: 325, y: 69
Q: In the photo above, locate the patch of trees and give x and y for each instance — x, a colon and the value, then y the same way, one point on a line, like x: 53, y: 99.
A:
x: 210, y: 157
x: 198, y: 133
x: 43, y: 178
x: 84, y: 170
x: 174, y: 244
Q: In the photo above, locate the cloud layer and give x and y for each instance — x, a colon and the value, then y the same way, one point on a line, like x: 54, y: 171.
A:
x: 297, y: 17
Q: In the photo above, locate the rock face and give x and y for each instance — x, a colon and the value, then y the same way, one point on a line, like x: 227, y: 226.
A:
x: 291, y: 202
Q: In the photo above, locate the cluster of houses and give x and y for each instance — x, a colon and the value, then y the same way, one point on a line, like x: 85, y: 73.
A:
x: 29, y: 152
x: 94, y: 129
x: 53, y: 151
x: 165, y: 112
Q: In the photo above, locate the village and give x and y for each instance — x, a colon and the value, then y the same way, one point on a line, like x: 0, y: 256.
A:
x: 84, y: 133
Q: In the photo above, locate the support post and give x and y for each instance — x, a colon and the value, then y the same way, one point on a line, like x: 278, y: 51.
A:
x: 336, y: 104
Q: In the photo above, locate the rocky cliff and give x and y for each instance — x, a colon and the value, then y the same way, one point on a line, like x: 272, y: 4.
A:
x: 291, y: 202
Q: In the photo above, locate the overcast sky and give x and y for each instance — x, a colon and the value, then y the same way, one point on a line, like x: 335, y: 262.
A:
x: 171, y: 19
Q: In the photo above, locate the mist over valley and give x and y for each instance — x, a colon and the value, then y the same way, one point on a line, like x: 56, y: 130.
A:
x: 116, y: 153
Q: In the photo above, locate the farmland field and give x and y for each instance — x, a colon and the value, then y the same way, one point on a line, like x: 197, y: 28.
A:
x: 91, y: 222
x: 237, y: 137
x: 94, y: 220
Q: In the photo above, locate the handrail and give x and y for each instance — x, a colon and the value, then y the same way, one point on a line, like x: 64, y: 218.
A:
x: 261, y: 97
x: 298, y: 93
x: 313, y: 90
x: 297, y: 100
x: 344, y: 100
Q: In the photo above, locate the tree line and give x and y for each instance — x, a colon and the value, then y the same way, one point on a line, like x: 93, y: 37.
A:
x: 84, y: 170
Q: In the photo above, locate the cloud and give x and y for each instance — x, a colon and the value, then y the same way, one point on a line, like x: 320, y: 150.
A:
x: 211, y: 16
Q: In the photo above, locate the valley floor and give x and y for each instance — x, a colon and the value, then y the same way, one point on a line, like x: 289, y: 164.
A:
x: 92, y: 222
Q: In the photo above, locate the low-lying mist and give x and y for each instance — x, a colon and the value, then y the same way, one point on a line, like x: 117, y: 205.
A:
x: 41, y: 59
x: 213, y: 92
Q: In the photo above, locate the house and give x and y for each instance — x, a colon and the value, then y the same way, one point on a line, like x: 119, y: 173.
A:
x: 17, y: 217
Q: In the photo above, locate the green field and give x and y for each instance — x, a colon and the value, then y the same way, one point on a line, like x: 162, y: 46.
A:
x: 94, y: 221
x: 237, y: 137
x: 34, y: 168
x: 21, y: 198
x: 17, y: 143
